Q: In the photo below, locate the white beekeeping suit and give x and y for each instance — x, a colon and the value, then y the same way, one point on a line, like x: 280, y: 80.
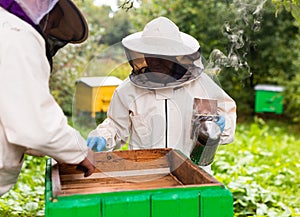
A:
x: 154, y: 105
x: 29, y: 116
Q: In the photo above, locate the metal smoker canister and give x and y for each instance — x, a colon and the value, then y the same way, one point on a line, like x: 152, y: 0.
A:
x: 206, y: 137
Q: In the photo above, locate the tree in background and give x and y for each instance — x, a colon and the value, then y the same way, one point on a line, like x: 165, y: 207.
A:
x: 73, y: 61
x: 244, y: 43
x: 117, y: 28
x: 293, y: 6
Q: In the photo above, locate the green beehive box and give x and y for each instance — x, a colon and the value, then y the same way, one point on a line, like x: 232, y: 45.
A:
x: 268, y: 98
x: 139, y: 183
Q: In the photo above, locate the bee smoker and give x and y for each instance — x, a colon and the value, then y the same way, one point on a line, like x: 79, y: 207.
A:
x: 205, y: 132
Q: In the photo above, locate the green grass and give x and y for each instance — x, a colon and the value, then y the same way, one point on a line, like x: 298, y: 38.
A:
x: 261, y: 169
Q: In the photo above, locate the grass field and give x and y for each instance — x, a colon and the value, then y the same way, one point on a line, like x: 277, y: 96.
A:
x: 261, y: 168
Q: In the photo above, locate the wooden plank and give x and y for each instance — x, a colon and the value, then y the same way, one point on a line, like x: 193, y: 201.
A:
x: 110, y: 180
x: 159, y: 182
x: 117, y: 174
x: 124, y: 160
x: 113, y: 181
x: 131, y: 160
x: 187, y: 172
x: 56, y: 184
x: 138, y: 155
x: 117, y: 187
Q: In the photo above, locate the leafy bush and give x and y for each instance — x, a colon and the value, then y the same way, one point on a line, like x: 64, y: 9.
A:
x: 27, y: 196
x: 260, y: 165
x: 292, y: 99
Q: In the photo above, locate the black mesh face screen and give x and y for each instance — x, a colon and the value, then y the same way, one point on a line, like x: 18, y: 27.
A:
x: 64, y: 24
x: 143, y: 63
x: 160, y: 71
x: 54, y: 45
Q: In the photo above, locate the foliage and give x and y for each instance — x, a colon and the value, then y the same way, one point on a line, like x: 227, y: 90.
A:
x: 260, y: 165
x: 292, y: 89
x: 277, y: 32
x: 293, y: 6
x: 62, y: 82
x: 117, y: 28
x: 27, y: 196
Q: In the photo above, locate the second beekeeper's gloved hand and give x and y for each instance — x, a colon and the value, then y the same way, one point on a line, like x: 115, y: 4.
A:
x: 97, y: 144
x: 221, y: 123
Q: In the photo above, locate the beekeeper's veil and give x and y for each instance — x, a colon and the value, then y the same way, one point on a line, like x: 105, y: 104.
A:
x: 162, y: 39
x: 36, y: 9
x: 60, y: 21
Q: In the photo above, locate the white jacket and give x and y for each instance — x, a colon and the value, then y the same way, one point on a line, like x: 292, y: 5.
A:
x: 161, y: 118
x: 29, y: 115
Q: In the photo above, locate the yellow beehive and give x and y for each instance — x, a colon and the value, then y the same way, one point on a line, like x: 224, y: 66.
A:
x: 93, y: 94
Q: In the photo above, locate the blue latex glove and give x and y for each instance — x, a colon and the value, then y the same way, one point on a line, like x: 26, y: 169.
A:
x: 221, y: 123
x: 97, y: 144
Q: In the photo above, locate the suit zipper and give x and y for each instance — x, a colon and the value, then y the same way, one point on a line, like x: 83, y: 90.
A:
x: 166, y: 115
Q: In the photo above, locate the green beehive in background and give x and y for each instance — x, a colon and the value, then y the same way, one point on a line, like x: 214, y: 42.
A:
x: 268, y: 98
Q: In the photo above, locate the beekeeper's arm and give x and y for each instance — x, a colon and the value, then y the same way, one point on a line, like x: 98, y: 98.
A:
x: 113, y: 132
x: 29, y: 114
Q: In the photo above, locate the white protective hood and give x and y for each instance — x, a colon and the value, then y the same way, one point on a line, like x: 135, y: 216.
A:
x: 162, y: 39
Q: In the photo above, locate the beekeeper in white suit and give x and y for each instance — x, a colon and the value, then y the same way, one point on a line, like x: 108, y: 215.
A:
x: 154, y: 106
x: 31, y: 32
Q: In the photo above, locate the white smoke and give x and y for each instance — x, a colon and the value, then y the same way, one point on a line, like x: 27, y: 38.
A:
x: 248, y: 16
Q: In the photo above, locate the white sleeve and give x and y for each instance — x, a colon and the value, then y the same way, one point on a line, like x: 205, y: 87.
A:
x: 115, y: 128
x: 226, y: 107
x: 28, y: 112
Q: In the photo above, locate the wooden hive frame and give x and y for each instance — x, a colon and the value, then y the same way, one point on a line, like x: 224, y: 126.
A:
x: 131, y: 170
